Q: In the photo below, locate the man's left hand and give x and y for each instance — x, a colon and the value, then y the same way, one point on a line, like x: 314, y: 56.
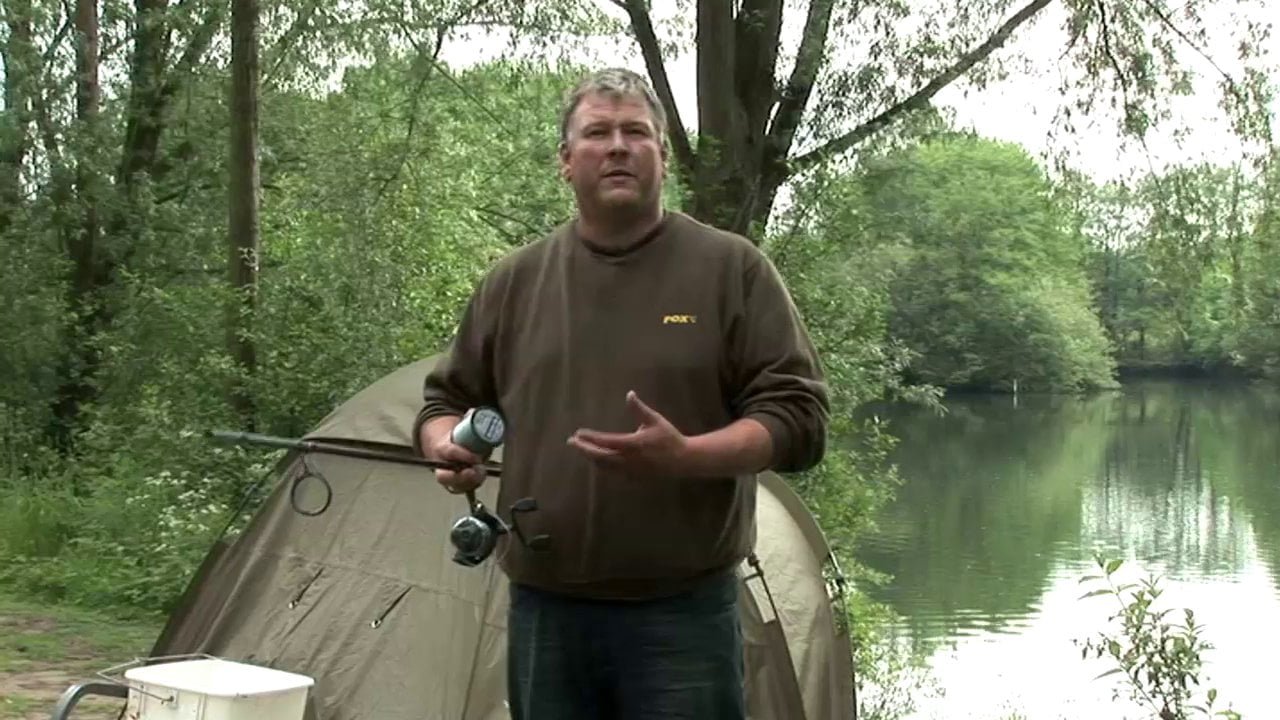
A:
x: 654, y: 447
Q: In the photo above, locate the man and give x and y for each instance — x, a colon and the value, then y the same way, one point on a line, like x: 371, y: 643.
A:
x: 647, y: 366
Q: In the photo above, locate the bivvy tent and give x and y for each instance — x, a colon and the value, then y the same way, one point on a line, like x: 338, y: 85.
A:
x: 365, y: 597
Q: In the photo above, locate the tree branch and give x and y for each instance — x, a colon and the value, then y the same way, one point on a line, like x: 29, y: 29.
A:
x: 488, y: 210
x: 1129, y: 104
x: 431, y: 57
x: 642, y: 28
x: 759, y: 25
x: 464, y: 14
x: 1168, y: 22
x: 45, y: 126
x: 39, y: 97
x: 51, y: 52
x: 800, y: 85
x: 921, y: 97
x: 201, y: 39
x: 443, y: 72
x: 285, y: 43
x: 508, y: 237
x: 432, y: 62
x: 1111, y: 56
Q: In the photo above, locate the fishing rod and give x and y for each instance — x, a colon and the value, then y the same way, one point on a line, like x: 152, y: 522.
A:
x: 274, y: 441
x: 480, y: 430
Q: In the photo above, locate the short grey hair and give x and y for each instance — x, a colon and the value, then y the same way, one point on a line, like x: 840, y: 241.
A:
x: 616, y: 82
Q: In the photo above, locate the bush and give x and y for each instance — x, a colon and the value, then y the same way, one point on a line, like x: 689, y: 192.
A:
x: 1161, y: 660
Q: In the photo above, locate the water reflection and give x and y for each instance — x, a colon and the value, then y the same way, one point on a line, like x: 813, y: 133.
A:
x: 1004, y: 503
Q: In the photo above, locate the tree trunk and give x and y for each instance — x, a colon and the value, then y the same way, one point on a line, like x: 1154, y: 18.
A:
x: 80, y: 230
x: 146, y: 93
x: 244, y: 239
x: 16, y: 53
x: 746, y: 126
x: 83, y: 243
x: 1236, y: 233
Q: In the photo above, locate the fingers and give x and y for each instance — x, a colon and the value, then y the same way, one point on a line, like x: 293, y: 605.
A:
x: 643, y: 412
x: 472, y: 477
x: 648, y: 419
x: 587, y: 442
x: 460, y: 481
x: 604, y: 440
x: 469, y: 477
x: 447, y: 479
x: 449, y: 452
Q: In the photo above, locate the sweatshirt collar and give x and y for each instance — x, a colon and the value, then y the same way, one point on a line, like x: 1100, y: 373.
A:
x: 625, y: 251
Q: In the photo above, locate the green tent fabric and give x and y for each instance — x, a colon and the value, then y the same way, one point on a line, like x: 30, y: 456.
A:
x: 365, y: 597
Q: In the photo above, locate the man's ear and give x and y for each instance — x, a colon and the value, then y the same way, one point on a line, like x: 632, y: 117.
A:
x: 562, y: 152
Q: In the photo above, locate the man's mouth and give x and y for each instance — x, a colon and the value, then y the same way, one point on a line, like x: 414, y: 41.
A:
x: 618, y: 173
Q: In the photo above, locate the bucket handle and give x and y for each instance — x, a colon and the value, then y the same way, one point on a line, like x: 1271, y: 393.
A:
x: 136, y: 662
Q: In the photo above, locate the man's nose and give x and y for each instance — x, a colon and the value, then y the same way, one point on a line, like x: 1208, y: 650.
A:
x: 617, y: 141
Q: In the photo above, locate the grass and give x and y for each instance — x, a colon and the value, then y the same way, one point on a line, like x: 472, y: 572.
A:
x: 45, y: 648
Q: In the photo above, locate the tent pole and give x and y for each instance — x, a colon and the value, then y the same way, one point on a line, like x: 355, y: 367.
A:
x: 778, y: 639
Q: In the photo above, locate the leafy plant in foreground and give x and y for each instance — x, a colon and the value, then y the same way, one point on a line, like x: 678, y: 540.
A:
x: 1160, y: 659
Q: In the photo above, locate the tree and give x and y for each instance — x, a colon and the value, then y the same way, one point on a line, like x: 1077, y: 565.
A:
x: 245, y: 241
x: 757, y: 129
x: 1174, y: 265
x: 110, y: 229
x: 83, y: 243
x: 991, y: 288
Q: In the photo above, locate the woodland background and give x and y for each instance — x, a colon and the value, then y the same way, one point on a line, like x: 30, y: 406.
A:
x: 235, y: 214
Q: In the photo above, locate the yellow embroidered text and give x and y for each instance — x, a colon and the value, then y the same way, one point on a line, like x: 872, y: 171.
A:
x: 679, y: 319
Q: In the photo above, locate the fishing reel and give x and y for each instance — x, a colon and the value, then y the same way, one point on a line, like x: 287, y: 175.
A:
x: 475, y: 536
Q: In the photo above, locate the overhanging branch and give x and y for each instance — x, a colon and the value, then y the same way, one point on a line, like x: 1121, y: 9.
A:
x: 415, y: 100
x: 1129, y: 103
x: 1232, y: 85
x: 197, y: 46
x: 921, y: 97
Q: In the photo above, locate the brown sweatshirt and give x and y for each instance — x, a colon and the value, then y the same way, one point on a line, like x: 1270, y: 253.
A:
x: 696, y: 321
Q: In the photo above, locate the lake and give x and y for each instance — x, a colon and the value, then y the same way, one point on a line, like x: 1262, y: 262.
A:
x: 1004, y: 501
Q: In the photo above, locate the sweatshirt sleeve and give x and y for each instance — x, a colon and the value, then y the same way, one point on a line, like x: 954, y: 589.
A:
x: 779, y: 379
x: 463, y: 376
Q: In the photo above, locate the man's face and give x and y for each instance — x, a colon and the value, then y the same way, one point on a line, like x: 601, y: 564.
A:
x: 614, y: 156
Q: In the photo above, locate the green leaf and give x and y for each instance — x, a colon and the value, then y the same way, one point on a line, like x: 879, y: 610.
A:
x: 1114, y: 565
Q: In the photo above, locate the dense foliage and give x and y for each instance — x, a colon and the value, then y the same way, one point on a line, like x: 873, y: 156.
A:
x: 1183, y: 268
x: 990, y: 289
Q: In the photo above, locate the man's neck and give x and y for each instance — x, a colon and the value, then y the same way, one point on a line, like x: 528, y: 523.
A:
x: 618, y: 231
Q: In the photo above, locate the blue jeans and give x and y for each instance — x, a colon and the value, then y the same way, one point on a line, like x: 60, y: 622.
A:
x: 672, y: 658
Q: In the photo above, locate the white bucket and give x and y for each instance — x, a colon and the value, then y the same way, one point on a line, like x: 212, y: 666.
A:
x: 215, y: 689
